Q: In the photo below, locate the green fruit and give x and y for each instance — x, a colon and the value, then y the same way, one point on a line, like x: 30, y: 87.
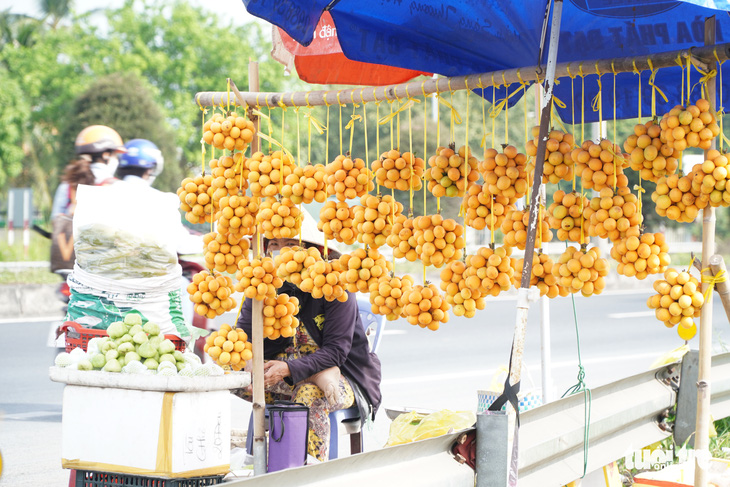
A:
x: 135, y: 329
x: 452, y: 191
x: 140, y: 337
x: 180, y: 366
x: 178, y: 356
x: 156, y: 340
x: 85, y: 365
x: 131, y: 356
x: 121, y: 360
x: 446, y: 182
x: 166, y: 347
x: 116, y: 329
x: 112, y: 366
x: 125, y: 347
x: 151, y: 364
x: 107, y: 345
x: 168, y: 357
x: 147, y: 350
x: 132, y: 319
x: 111, y: 355
x: 98, y: 361
x: 126, y: 338
x: 151, y: 328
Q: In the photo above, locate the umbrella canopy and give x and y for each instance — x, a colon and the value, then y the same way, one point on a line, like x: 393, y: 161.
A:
x: 474, y: 36
x: 323, y: 62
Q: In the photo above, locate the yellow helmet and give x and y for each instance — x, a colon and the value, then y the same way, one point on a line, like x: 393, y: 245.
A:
x: 98, y: 138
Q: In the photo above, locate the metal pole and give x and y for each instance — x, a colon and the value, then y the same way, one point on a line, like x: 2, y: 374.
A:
x: 702, y: 427
x: 518, y: 344
x: 257, y: 327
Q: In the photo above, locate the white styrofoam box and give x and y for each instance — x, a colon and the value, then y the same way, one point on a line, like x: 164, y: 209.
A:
x: 118, y: 430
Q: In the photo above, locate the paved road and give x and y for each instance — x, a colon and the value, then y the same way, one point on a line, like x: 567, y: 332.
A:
x: 435, y: 370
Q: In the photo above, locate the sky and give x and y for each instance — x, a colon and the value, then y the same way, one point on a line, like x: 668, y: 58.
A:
x: 233, y: 9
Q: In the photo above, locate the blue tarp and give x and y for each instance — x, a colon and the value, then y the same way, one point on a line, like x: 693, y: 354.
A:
x: 475, y: 36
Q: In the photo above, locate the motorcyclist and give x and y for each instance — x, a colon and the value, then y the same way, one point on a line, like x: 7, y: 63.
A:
x: 96, y: 148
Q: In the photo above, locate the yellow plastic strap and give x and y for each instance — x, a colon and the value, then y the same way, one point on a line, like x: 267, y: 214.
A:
x: 539, y: 223
x: 327, y: 137
x: 466, y: 143
x: 597, y: 103
x: 491, y: 218
x: 615, y: 133
x: 712, y: 280
x: 340, y: 108
x: 680, y: 62
x: 494, y: 126
x: 572, y: 109
x: 454, y: 113
x: 278, y: 144
x: 390, y: 104
x: 351, y: 124
x: 689, y: 70
x: 228, y: 93
x: 556, y: 119
x: 639, y: 190
x: 525, y: 109
x: 413, y: 158
x: 502, y: 104
x: 582, y: 103
x: 706, y: 76
x: 296, y: 110
x: 655, y: 89
x: 425, y: 121
x: 203, y: 111
x: 365, y: 124
x: 720, y: 112
x: 582, y: 203
x: 506, y: 111
x: 636, y: 71
x: 451, y: 125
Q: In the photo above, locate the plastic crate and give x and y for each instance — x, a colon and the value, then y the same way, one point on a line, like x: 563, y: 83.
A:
x: 78, y: 336
x: 88, y: 478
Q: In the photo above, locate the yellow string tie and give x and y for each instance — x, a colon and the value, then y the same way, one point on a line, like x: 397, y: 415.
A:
x: 712, y: 280
x: 351, y: 124
x: 491, y: 219
x: 597, y: 104
x: 655, y: 89
x: 582, y: 102
x: 340, y: 108
x: 680, y: 62
x: 365, y: 124
x: 636, y: 71
x: 689, y: 71
x: 454, y: 113
x: 524, y: 99
x: 494, y: 119
x: 405, y: 106
x: 228, y: 92
x: 639, y: 191
x: 501, y: 104
x: 203, y: 111
x: 572, y: 109
x: 706, y: 76
x: 720, y: 112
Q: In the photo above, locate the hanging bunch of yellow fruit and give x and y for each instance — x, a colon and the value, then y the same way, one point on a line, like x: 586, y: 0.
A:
x: 558, y: 160
x: 514, y: 227
x: 229, y: 347
x: 373, y: 218
x: 266, y: 173
x: 641, y: 255
x: 580, y: 270
x: 566, y: 215
x: 257, y: 278
x: 228, y: 132
x: 710, y: 180
x: 402, y: 239
x: 306, y: 184
x: 386, y: 295
x: 292, y: 260
x: 230, y: 176
x: 464, y: 299
x: 337, y: 222
x: 675, y: 199
x: 224, y: 252
x: 693, y: 126
x: 600, y: 165
x: 280, y: 316
x: 439, y: 240
x: 493, y: 269
x: 484, y: 210
x: 279, y: 218
x: 322, y: 280
x: 398, y: 171
x: 648, y: 155
x: 613, y: 215
x: 360, y: 269
x: 236, y: 215
x: 541, y: 277
x: 425, y: 307
x: 195, y: 198
x: 211, y: 294
x: 505, y: 173
x: 678, y: 301
x: 348, y: 178
x: 451, y: 172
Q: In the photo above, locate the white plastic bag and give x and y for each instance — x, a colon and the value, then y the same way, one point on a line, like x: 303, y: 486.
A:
x: 122, y: 231
x: 97, y: 302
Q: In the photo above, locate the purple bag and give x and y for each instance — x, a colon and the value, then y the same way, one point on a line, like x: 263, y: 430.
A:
x: 288, y: 435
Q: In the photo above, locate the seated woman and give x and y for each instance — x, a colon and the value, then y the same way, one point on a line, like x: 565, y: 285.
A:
x: 330, y: 335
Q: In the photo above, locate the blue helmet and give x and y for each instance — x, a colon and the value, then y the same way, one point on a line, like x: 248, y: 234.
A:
x: 142, y: 153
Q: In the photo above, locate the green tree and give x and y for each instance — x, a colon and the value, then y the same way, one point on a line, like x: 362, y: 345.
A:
x: 123, y: 102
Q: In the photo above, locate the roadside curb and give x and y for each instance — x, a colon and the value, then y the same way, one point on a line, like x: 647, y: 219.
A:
x: 29, y: 300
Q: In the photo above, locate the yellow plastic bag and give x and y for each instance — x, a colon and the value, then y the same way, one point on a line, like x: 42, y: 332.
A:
x: 412, y: 426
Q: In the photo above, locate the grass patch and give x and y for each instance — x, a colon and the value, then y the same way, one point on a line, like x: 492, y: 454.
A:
x: 38, y: 250
x: 29, y: 275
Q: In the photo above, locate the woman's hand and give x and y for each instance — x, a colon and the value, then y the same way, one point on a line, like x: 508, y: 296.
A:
x: 275, y: 371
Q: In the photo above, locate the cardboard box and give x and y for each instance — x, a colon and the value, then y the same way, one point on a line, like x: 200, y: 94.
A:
x: 152, y: 433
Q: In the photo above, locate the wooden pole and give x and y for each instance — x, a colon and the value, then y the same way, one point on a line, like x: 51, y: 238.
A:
x: 703, y: 57
x: 702, y: 426
x: 257, y: 325
x: 717, y: 264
